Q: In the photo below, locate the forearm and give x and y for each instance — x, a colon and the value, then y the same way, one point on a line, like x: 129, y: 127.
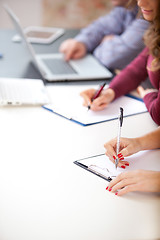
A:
x: 118, y: 52
x: 115, y: 54
x: 150, y: 140
x: 152, y: 102
x: 92, y: 35
x: 131, y: 77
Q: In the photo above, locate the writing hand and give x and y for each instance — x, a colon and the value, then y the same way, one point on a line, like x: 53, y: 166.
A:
x: 128, y: 146
x: 100, y: 102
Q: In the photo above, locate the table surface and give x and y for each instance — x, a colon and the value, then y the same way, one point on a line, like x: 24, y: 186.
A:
x: 43, y: 195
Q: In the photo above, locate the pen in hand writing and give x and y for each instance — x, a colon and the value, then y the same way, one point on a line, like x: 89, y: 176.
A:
x: 97, y: 93
x: 120, y: 121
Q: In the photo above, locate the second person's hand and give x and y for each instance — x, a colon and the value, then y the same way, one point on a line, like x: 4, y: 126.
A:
x: 128, y: 146
x: 72, y: 49
x: 100, y: 102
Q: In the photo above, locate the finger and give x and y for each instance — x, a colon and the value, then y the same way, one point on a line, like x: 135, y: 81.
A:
x: 126, y: 152
x: 98, y: 108
x: 99, y: 103
x: 123, y: 183
x: 121, y: 161
x: 120, y: 177
x: 127, y: 189
x: 69, y: 54
x: 110, y: 150
x: 102, y: 100
x: 78, y: 54
x: 140, y: 90
x: 123, y: 164
x: 62, y: 48
x: 86, y: 98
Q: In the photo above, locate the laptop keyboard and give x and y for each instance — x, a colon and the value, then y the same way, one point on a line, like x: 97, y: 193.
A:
x: 59, y: 66
x: 17, y: 92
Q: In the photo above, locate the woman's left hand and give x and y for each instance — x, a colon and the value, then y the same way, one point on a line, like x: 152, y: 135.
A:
x: 142, y: 92
x: 137, y: 180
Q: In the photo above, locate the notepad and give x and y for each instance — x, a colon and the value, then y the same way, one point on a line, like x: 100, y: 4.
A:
x: 67, y: 102
x: 101, y: 166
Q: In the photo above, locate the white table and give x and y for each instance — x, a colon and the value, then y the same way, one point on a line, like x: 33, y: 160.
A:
x: 44, y: 196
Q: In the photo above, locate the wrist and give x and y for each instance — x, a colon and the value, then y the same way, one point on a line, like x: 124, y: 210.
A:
x: 140, y: 143
x: 110, y: 94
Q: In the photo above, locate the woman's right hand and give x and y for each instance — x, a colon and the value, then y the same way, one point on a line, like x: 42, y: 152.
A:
x: 100, y: 102
x: 73, y: 49
x: 128, y: 146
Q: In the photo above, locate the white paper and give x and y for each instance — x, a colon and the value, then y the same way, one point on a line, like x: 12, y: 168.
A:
x: 148, y: 160
x: 67, y: 102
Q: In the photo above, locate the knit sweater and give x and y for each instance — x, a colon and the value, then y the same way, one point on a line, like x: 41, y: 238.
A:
x: 127, y: 43
x: 132, y: 76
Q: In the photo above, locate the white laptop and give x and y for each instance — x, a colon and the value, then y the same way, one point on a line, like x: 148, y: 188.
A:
x: 53, y: 67
x: 17, y: 91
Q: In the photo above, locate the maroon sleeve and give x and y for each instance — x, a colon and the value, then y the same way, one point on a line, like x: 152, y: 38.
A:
x: 131, y: 77
x: 152, y: 101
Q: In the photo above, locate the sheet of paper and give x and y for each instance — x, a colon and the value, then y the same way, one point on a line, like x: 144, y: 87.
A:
x: 148, y: 160
x: 67, y: 101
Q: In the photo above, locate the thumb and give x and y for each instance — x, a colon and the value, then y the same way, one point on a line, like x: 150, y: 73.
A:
x: 126, y: 151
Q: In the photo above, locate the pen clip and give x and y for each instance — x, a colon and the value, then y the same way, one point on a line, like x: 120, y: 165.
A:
x: 121, y: 116
x: 119, y: 133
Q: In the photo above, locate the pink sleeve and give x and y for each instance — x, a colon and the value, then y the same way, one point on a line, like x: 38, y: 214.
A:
x: 152, y: 101
x: 131, y: 77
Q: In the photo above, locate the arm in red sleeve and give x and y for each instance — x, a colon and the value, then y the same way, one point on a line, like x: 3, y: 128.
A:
x: 152, y: 101
x: 131, y: 77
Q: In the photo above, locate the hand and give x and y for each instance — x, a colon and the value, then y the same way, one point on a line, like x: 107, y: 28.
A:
x: 73, y: 49
x: 128, y: 146
x: 100, y: 102
x: 107, y: 37
x: 137, y: 180
x: 142, y: 92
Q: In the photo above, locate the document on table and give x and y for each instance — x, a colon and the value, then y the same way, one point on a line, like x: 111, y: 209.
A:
x: 104, y: 168
x: 67, y: 102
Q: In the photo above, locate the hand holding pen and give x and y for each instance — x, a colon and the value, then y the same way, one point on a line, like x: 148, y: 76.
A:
x: 97, y: 100
x: 97, y: 93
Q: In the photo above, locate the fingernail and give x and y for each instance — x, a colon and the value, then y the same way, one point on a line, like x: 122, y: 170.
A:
x: 120, y: 155
x: 106, y: 188
x: 110, y: 189
x: 114, y: 157
x: 123, y: 167
x: 116, y: 193
x: 122, y: 158
x: 127, y: 164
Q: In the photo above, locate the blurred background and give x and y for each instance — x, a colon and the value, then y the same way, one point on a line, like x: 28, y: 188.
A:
x: 54, y: 13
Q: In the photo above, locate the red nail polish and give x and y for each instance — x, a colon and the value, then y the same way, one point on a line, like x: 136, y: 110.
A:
x: 116, y: 193
x: 114, y: 157
x: 120, y: 155
x: 122, y: 158
x: 110, y: 189
x: 123, y: 167
x: 127, y: 164
x: 106, y: 188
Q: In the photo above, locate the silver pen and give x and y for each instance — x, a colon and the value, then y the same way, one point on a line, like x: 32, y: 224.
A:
x: 120, y: 121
